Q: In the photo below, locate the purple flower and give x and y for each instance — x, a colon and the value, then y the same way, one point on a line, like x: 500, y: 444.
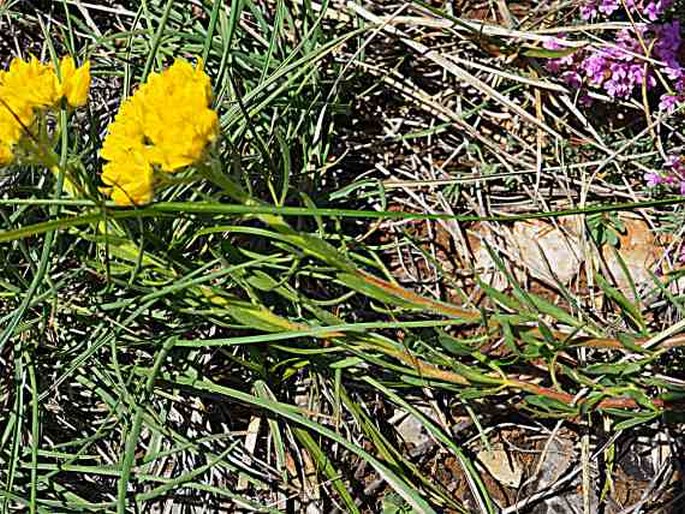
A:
x: 679, y: 84
x: 668, y: 102
x: 618, y: 71
x: 621, y: 69
x: 651, y: 11
x: 572, y: 78
x: 672, y: 161
x: 666, y: 49
x: 588, y: 11
x: 637, y: 74
x: 608, y: 7
x: 668, y: 41
x: 654, y: 9
x: 617, y: 89
x: 652, y: 179
x: 671, y: 176
x: 594, y: 66
x: 675, y: 73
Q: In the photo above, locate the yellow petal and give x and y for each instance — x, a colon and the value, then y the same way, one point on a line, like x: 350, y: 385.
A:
x: 32, y: 83
x: 6, y: 154
x: 75, y: 82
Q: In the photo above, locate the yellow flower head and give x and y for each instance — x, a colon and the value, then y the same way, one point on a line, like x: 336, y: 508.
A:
x: 74, y: 82
x: 167, y: 122
x: 31, y: 87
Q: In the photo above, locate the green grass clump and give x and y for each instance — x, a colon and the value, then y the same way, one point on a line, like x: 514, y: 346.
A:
x: 243, y: 342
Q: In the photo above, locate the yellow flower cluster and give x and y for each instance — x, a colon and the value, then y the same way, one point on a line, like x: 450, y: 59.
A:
x: 31, y: 87
x: 165, y: 126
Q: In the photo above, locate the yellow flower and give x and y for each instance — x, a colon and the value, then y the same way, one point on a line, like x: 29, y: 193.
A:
x: 129, y: 179
x: 167, y: 122
x: 31, y: 87
x: 74, y: 82
x: 124, y: 133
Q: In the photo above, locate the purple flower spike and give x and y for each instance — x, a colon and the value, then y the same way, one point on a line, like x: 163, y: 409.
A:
x: 594, y: 67
x: 638, y: 56
x: 649, y: 9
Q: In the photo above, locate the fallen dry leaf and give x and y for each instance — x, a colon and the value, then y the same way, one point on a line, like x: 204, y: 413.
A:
x: 503, y: 467
x: 554, y: 255
x: 550, y: 254
x: 534, y: 248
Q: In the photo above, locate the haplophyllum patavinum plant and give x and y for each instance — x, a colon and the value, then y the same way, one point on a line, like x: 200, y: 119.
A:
x: 168, y: 125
